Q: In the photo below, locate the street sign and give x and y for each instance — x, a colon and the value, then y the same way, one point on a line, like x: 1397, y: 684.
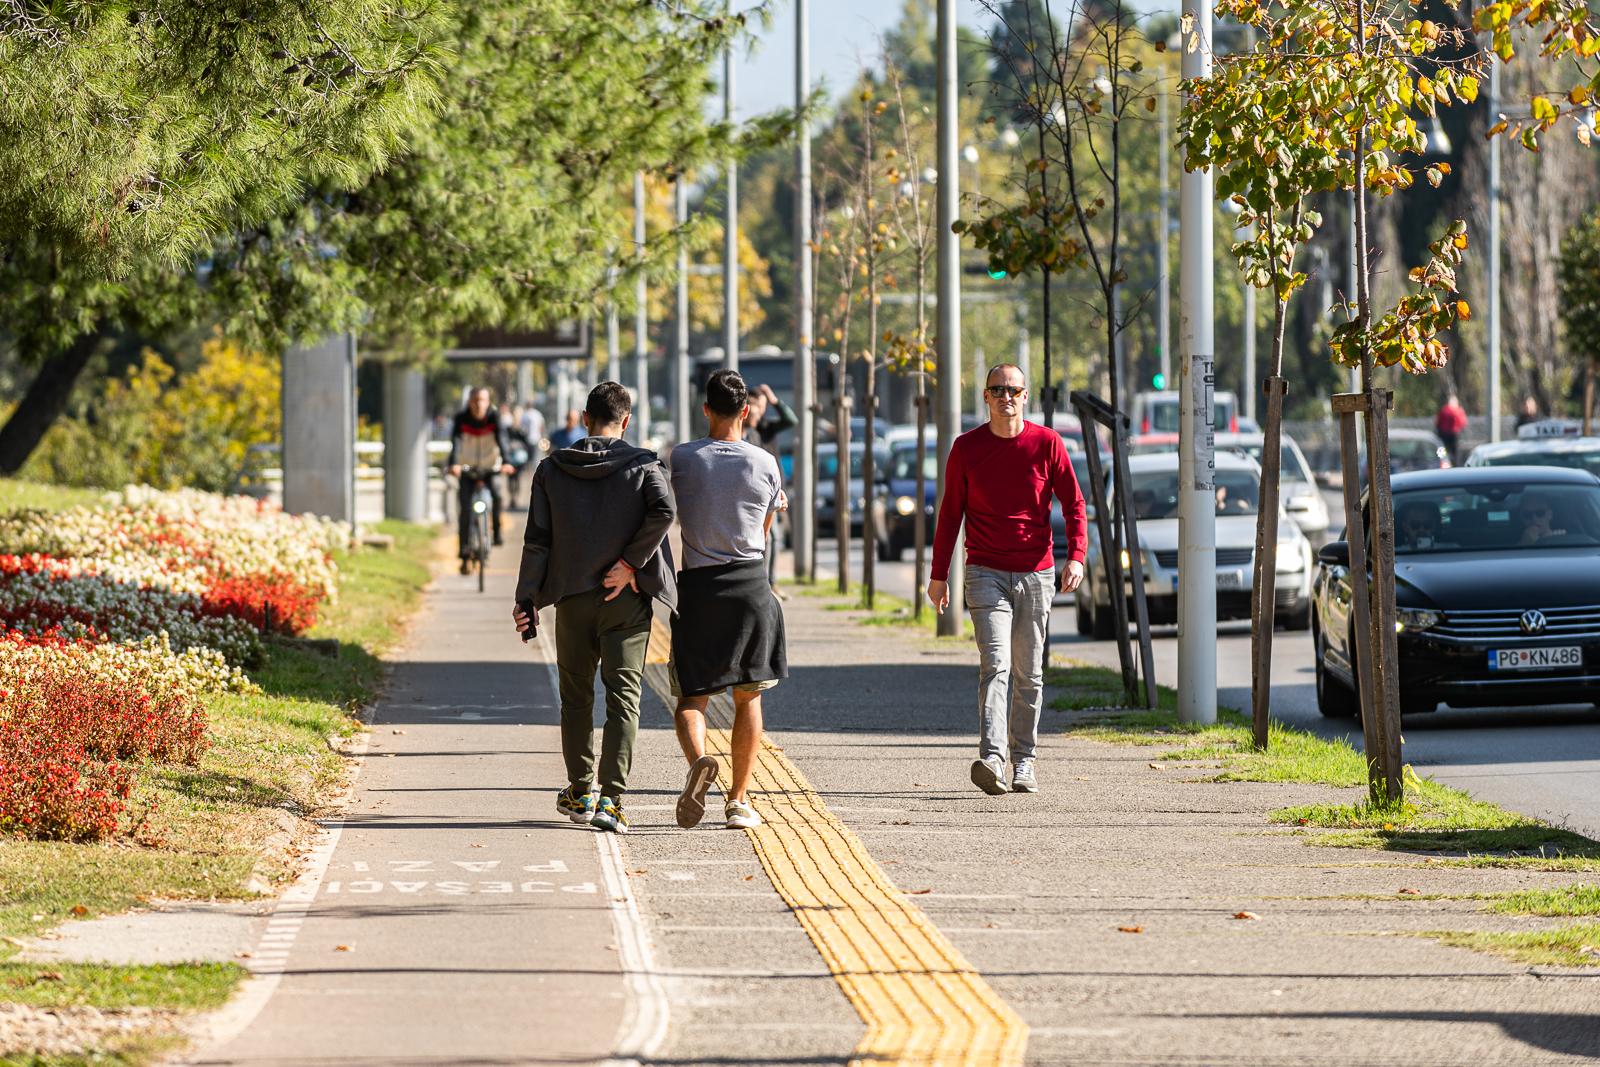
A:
x: 565, y: 340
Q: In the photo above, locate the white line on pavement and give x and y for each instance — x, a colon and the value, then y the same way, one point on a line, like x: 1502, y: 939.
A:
x: 644, y: 1021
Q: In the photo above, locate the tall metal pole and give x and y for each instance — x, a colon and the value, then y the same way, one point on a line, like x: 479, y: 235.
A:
x: 730, y: 226
x: 1493, y: 323
x: 948, y: 401
x: 680, y: 351
x: 802, y: 511
x: 613, y: 333
x: 1163, y: 267
x: 1197, y: 504
x: 641, y: 322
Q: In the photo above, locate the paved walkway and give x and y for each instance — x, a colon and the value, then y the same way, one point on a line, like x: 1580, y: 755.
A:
x: 458, y: 920
x: 888, y: 913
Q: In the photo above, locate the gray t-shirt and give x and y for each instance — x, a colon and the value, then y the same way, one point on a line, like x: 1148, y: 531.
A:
x: 725, y: 490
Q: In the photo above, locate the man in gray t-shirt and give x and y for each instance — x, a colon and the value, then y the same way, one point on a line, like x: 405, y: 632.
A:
x: 728, y: 630
x: 725, y: 490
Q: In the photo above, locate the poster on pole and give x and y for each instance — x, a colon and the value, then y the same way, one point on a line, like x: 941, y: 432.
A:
x: 1203, y: 387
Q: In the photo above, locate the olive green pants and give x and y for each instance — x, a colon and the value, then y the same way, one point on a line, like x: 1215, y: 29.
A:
x: 611, y: 635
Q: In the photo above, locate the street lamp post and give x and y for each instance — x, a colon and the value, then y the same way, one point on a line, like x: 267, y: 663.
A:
x: 802, y: 514
x: 641, y: 321
x: 1493, y: 319
x: 730, y: 242
x: 680, y: 354
x: 1197, y: 516
x: 949, y: 276
x: 1163, y: 268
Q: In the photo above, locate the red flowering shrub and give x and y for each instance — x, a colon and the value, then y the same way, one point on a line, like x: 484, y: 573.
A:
x: 50, y: 788
x: 273, y: 602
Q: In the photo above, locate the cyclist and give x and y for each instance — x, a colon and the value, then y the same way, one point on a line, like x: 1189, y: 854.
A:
x: 478, y: 446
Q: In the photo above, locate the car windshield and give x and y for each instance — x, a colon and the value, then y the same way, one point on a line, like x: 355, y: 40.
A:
x: 1290, y: 469
x: 828, y: 463
x: 903, y: 464
x: 1583, y: 461
x: 1416, y: 449
x: 1155, y: 493
x: 1498, y: 517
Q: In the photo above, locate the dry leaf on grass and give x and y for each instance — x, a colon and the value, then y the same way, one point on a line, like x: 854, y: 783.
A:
x: 79, y: 910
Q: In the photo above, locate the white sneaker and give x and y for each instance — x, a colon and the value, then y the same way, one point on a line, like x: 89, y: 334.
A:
x: 741, y: 816
x: 1022, y: 777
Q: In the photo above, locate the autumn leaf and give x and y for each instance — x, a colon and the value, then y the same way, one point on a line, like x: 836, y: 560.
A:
x: 1245, y: 915
x: 1463, y: 310
x: 1130, y: 929
x: 79, y: 910
x: 1435, y: 176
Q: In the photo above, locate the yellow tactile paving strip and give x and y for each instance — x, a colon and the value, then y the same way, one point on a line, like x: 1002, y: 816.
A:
x: 922, y: 1002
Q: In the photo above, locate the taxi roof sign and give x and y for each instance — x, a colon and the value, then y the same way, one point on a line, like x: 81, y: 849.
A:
x: 1551, y: 428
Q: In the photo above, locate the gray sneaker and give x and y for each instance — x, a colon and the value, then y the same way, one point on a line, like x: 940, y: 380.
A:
x: 989, y: 775
x: 1022, y: 778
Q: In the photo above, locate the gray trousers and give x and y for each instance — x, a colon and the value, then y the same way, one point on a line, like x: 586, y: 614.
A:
x: 1011, y: 618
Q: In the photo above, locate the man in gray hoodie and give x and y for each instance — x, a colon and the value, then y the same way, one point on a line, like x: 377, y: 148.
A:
x: 596, y: 548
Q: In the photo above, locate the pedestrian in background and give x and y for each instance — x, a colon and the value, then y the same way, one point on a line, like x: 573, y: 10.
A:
x: 571, y: 432
x: 767, y: 417
x: 998, y: 481
x: 596, y: 548
x: 1528, y: 412
x: 1450, y: 424
x: 729, y: 629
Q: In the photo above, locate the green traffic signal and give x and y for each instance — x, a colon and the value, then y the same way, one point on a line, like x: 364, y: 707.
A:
x: 998, y: 274
x: 1159, y: 381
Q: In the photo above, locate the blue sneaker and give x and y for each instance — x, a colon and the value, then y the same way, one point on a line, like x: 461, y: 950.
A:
x: 577, y: 806
x: 610, y: 817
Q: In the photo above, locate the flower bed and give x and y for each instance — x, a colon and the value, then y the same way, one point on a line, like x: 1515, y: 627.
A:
x: 116, y: 620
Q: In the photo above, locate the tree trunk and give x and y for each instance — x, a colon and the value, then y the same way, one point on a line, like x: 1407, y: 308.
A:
x: 45, y: 400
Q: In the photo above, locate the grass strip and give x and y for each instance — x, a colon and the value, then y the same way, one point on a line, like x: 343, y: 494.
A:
x: 16, y: 493
x: 1577, y: 945
x: 181, y: 987
x: 1568, y: 900
x: 1433, y: 818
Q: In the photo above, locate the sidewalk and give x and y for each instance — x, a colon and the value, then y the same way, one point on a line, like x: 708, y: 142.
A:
x: 1034, y: 890
x: 458, y: 919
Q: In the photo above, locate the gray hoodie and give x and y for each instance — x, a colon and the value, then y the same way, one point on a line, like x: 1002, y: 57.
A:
x: 592, y: 504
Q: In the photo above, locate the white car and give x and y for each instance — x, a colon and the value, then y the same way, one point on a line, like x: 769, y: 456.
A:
x: 1157, y: 412
x: 1297, y: 489
x: 1580, y: 453
x: 1154, y: 492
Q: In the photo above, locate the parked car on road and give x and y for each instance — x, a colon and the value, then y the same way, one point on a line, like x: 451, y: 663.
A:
x: 895, y: 504
x: 1580, y: 453
x: 1497, y: 592
x: 1154, y: 495
x: 1297, y: 489
x: 1157, y: 411
x: 828, y: 470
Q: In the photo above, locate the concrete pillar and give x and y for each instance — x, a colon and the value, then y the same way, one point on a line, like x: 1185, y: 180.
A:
x: 319, y: 428
x: 405, y: 443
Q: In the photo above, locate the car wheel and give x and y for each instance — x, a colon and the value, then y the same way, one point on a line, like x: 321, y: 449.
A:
x: 1085, y: 620
x: 885, y: 552
x: 1334, y: 699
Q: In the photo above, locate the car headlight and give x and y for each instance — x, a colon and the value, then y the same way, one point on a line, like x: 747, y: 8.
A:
x: 905, y: 505
x: 1291, y: 558
x: 1416, y: 619
x: 478, y: 506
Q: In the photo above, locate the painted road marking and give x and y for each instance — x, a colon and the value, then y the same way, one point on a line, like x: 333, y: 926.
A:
x: 921, y: 1001
x: 645, y: 1009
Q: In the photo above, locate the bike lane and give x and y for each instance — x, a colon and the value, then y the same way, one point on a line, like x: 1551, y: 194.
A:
x: 448, y: 914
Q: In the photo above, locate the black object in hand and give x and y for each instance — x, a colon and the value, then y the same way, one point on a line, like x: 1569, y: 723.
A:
x: 533, y: 621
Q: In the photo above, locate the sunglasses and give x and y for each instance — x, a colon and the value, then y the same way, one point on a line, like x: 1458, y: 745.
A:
x: 1000, y: 392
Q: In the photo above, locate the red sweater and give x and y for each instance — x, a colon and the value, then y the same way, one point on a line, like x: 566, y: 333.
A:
x: 1002, y: 487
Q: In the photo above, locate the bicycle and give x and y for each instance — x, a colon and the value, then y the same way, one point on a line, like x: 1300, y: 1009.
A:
x: 482, y: 504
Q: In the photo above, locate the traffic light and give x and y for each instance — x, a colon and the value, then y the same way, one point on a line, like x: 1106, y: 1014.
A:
x: 998, y: 274
x: 1159, y: 381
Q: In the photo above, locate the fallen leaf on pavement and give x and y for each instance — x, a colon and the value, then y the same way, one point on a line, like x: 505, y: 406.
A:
x: 1130, y: 929
x: 80, y: 910
x: 1245, y: 915
x: 402, y: 731
x: 481, y: 846
x: 920, y: 892
x: 1406, y: 891
x: 646, y: 870
x: 245, y: 955
x: 1157, y: 766
x: 343, y: 948
x: 748, y: 877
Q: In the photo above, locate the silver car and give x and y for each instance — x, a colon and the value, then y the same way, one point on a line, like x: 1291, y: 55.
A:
x: 1154, y: 493
x: 1297, y: 489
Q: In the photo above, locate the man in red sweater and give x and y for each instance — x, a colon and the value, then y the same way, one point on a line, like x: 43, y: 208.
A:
x: 999, y: 479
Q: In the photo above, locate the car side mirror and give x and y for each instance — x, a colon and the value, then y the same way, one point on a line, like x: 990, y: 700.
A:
x: 1335, y: 554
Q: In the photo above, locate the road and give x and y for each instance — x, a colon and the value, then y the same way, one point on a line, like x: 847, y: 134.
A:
x: 1541, y: 762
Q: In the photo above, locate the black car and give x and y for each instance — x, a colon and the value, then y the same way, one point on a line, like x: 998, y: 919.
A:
x: 1497, y: 592
x: 895, y: 508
